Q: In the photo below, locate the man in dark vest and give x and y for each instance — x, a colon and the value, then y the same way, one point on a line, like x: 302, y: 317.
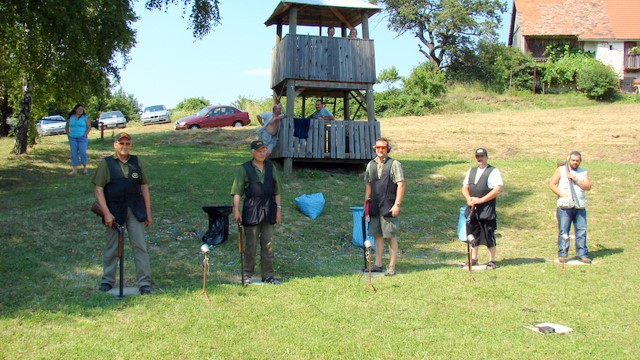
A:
x: 258, y: 181
x: 122, y: 191
x: 480, y: 188
x: 384, y: 189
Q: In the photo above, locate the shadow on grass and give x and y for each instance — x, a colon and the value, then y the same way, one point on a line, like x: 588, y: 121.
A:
x: 521, y: 261
x: 604, y: 252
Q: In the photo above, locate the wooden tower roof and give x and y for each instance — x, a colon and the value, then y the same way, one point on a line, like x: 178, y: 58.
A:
x: 323, y: 12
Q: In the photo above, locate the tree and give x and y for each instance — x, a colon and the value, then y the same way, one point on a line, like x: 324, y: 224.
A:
x: 192, y: 104
x: 445, y: 27
x: 54, y: 49
x: 389, y: 78
x: 497, y: 67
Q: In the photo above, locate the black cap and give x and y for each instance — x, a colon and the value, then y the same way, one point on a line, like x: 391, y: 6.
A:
x: 481, y: 151
x: 256, y: 145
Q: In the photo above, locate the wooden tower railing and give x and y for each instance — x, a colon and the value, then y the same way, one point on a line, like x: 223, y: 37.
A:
x: 327, y: 140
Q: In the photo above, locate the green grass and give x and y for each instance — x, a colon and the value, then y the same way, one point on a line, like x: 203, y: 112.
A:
x: 50, y: 261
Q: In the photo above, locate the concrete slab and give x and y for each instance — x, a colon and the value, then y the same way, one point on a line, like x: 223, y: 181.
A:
x: 479, y: 267
x: 127, y: 291
x: 572, y: 262
x: 365, y: 274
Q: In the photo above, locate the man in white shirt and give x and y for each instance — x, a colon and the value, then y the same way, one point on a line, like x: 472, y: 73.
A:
x: 270, y: 122
x: 480, y: 188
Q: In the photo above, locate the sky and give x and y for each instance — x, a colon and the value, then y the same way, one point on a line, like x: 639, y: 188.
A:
x: 169, y: 65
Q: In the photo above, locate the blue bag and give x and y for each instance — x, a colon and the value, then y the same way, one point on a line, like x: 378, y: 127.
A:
x: 462, y: 225
x: 310, y: 205
x: 356, y: 238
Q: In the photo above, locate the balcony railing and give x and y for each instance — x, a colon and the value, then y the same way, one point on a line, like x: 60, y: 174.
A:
x: 632, y: 61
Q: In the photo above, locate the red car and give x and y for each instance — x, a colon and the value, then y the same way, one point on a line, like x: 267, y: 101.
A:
x: 214, y: 116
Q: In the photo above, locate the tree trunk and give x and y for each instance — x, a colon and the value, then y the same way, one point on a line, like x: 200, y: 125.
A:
x: 22, y: 127
x: 4, y: 113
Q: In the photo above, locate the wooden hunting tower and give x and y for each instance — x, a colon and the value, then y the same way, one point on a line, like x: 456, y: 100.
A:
x: 324, y: 67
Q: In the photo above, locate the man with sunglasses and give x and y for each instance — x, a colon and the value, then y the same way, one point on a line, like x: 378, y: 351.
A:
x: 384, y: 189
x: 480, y: 187
x: 122, y: 190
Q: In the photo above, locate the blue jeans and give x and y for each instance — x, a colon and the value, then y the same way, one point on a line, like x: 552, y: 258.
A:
x: 579, y: 219
x: 78, y: 146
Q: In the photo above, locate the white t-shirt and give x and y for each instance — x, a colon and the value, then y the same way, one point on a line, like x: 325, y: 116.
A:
x: 495, y: 178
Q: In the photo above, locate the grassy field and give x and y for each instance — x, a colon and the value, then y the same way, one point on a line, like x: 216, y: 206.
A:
x: 50, y: 249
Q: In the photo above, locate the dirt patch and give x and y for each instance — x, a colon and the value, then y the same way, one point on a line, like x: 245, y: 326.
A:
x: 604, y: 132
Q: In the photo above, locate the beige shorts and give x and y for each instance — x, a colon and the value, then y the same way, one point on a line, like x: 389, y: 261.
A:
x: 386, y: 227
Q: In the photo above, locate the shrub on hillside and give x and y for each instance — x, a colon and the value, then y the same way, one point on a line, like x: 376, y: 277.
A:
x: 597, y: 81
x: 582, y: 71
x: 192, y: 104
x: 426, y: 80
x: 497, y: 66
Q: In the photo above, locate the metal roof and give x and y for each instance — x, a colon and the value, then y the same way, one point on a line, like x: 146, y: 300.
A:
x: 323, y: 12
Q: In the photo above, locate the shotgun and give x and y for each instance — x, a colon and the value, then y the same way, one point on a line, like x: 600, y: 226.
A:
x: 241, y: 251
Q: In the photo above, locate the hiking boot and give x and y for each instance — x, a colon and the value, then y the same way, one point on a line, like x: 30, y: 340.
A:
x: 271, y: 280
x: 391, y: 270
x: 104, y: 287
x: 145, y: 290
x: 491, y: 265
x: 585, y: 260
x: 246, y: 280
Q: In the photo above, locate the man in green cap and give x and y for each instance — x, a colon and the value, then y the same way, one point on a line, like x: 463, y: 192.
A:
x: 258, y: 181
x: 122, y: 191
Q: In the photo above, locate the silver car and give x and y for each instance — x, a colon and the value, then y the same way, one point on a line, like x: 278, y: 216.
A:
x: 111, y: 119
x: 51, y: 125
x: 154, y: 114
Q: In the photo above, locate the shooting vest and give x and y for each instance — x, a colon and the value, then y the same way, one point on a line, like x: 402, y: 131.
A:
x: 122, y: 192
x: 383, y: 189
x: 580, y: 202
x: 486, y: 211
x: 259, y: 203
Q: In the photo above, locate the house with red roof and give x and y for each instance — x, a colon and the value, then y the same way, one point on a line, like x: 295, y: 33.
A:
x: 610, y: 29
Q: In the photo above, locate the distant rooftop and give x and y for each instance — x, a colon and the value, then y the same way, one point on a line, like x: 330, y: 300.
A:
x: 323, y: 12
x: 586, y: 19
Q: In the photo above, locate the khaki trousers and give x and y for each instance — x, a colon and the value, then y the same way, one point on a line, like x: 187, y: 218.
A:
x: 253, y: 234
x: 135, y: 230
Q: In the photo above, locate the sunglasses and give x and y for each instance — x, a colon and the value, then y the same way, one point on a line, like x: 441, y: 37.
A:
x: 380, y: 147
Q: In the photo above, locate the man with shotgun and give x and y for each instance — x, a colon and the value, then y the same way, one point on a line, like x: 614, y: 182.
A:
x: 122, y: 191
x: 259, y: 182
x: 480, y: 187
x: 383, y: 194
x: 570, y: 183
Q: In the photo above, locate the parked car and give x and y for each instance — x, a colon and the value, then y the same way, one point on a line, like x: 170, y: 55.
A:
x: 51, y: 125
x: 111, y: 119
x: 214, y: 116
x: 154, y: 114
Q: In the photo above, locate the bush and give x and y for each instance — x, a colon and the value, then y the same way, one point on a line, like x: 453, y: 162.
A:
x: 192, y: 104
x: 426, y: 80
x: 583, y: 72
x: 497, y: 66
x: 597, y: 80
